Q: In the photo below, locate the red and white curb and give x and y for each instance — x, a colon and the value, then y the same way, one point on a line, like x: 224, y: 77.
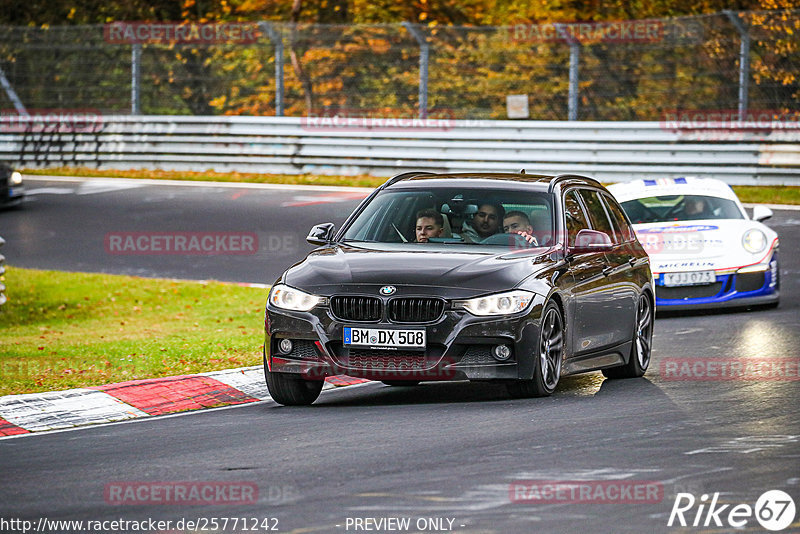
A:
x: 58, y: 410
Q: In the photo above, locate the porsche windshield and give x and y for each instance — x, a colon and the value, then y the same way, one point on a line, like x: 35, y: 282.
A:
x: 680, y: 208
x: 483, y: 217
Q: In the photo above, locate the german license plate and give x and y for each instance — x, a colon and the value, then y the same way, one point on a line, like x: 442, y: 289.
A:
x: 695, y: 278
x: 384, y: 338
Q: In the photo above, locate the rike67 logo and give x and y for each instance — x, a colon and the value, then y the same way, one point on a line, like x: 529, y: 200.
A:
x: 774, y: 510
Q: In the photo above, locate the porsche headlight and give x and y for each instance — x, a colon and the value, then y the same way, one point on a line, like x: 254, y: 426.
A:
x: 289, y: 298
x: 499, y: 304
x: 15, y: 179
x: 754, y: 241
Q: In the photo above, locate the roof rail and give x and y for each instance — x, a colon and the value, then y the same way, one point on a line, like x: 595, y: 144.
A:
x: 404, y: 176
x: 562, y: 177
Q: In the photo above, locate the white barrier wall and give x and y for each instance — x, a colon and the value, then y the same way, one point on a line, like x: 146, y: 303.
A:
x: 609, y: 151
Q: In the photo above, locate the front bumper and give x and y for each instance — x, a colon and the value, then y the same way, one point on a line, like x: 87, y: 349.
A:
x: 728, y: 291
x: 458, y: 347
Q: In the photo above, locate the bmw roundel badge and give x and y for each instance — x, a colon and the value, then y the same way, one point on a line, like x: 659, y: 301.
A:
x: 388, y: 290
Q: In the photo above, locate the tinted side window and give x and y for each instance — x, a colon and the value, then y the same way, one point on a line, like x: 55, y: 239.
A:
x: 575, y: 216
x: 618, y: 218
x: 597, y: 213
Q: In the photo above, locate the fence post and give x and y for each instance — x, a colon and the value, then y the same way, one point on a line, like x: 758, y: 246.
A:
x: 574, y: 60
x: 424, y: 55
x: 136, y: 59
x: 744, y: 61
x: 276, y: 37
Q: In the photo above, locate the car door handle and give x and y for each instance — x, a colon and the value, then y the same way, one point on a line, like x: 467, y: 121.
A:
x: 608, y: 270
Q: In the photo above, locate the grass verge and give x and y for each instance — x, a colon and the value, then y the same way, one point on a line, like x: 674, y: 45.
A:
x: 63, y: 330
x: 748, y: 194
x: 768, y: 194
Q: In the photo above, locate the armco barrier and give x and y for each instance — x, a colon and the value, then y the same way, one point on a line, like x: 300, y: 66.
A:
x: 609, y: 151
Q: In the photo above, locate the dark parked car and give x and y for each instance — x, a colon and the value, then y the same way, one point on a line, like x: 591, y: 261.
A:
x: 567, y: 289
x: 12, y: 190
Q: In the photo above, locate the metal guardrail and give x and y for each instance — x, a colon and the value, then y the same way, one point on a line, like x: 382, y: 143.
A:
x: 609, y: 151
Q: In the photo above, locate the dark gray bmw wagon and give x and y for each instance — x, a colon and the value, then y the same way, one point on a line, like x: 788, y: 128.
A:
x: 517, y: 278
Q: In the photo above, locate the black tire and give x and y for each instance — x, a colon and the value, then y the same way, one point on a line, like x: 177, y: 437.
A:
x: 641, y: 345
x: 291, y: 390
x: 401, y: 383
x: 550, y: 354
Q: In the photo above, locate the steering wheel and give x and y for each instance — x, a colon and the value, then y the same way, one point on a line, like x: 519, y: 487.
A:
x: 511, y: 240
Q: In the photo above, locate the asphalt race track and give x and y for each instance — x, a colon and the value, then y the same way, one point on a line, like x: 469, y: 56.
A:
x: 451, y: 457
x: 67, y: 225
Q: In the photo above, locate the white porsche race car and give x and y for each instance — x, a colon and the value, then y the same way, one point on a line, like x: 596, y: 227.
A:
x: 704, y: 250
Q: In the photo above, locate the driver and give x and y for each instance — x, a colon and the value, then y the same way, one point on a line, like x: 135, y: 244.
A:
x: 695, y: 208
x: 430, y: 223
x: 516, y: 222
x: 485, y: 223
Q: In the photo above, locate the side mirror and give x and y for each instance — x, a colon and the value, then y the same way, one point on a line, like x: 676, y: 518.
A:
x: 761, y: 213
x: 591, y: 241
x: 321, y: 234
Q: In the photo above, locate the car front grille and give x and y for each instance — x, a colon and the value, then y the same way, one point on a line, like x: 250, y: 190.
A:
x: 688, y: 292
x: 357, y: 308
x: 749, y: 281
x: 415, y: 310
x: 396, y: 361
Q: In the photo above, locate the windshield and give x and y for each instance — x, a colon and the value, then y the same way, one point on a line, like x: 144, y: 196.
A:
x: 480, y: 217
x: 680, y: 208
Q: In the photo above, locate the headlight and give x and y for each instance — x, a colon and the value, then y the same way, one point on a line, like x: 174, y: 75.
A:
x: 754, y: 241
x: 289, y: 298
x: 499, y: 304
x: 16, y: 178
